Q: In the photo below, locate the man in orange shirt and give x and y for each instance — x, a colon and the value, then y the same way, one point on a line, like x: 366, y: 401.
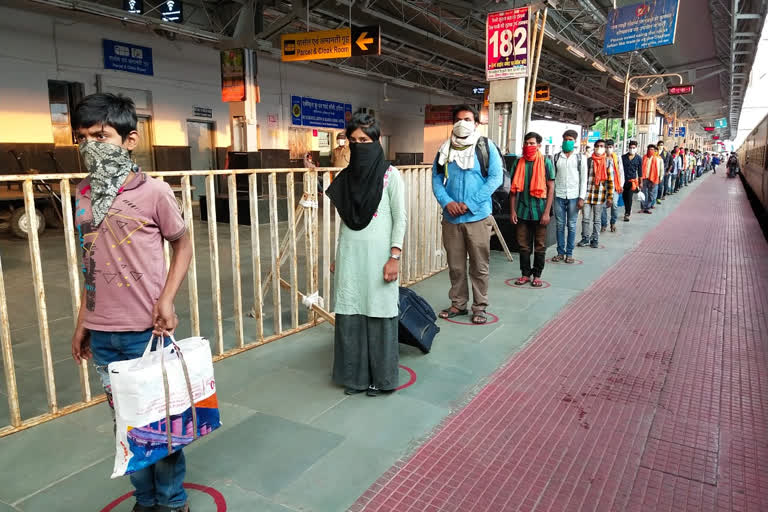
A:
x: 653, y: 171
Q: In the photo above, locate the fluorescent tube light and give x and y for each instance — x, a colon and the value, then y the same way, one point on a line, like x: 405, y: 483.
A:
x: 353, y: 71
x: 618, y: 79
x: 576, y: 52
x: 549, y: 33
x: 599, y: 66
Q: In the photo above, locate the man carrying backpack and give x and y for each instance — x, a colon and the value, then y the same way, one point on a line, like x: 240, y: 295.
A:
x: 570, y: 191
x: 467, y: 170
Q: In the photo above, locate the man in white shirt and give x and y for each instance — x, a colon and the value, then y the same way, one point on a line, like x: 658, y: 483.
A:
x: 570, y: 191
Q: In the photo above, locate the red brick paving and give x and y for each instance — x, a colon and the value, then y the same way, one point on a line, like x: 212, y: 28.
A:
x: 648, y: 392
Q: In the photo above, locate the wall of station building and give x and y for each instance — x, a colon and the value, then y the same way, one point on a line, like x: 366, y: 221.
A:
x: 37, y: 48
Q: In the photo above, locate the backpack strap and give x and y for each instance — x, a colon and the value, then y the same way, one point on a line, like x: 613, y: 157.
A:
x: 481, y: 151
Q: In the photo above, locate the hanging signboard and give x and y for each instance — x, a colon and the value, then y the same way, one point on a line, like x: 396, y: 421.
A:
x: 542, y: 93
x: 709, y: 128
x: 315, y: 113
x: 680, y: 132
x: 331, y: 44
x: 438, y: 114
x: 721, y: 123
x: 127, y: 57
x: 232, y: 75
x: 640, y: 26
x: 679, y: 90
x: 506, y: 44
x: 593, y: 136
x: 134, y: 6
x: 172, y: 11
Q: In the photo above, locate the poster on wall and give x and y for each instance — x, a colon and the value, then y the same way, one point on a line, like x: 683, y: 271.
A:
x: 640, y: 26
x: 232, y: 75
x: 127, y: 57
x: 314, y: 113
x: 506, y: 44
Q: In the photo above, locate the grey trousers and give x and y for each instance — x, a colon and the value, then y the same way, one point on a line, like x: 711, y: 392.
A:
x: 366, y: 352
x: 590, y: 224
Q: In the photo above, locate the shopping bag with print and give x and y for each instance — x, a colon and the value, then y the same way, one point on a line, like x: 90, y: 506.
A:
x: 164, y: 400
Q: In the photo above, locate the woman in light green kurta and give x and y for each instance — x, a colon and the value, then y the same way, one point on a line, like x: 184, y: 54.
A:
x: 370, y: 199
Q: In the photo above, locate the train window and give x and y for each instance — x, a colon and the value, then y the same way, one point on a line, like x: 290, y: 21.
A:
x: 62, y: 97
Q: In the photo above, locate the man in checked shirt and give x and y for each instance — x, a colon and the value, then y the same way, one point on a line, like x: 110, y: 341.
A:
x: 600, y: 186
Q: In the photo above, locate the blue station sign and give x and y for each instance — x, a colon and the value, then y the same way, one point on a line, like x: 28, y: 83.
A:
x: 127, y: 57
x: 316, y: 113
x: 640, y: 26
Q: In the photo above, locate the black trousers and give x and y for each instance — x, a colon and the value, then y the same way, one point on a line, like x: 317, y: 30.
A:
x: 527, y: 231
x: 627, y: 194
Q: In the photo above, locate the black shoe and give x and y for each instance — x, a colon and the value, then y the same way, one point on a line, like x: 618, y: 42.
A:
x: 161, y: 508
x: 594, y: 244
x: 143, y: 508
x: 352, y: 391
x: 584, y: 242
x: 372, y: 391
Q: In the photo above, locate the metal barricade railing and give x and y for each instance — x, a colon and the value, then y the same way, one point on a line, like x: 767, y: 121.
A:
x: 315, y: 222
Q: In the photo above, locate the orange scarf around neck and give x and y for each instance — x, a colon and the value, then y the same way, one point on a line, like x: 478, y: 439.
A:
x: 616, y: 177
x: 600, y: 167
x: 538, y: 186
x: 650, y: 169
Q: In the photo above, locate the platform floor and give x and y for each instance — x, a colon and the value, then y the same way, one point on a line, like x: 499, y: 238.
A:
x: 635, y: 381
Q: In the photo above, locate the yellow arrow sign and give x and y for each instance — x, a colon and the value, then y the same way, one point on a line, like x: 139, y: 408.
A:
x: 363, y: 40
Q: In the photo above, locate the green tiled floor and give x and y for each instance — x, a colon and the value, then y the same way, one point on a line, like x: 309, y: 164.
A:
x: 291, y: 440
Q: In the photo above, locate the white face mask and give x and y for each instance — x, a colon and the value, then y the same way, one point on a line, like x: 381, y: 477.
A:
x: 463, y: 129
x: 632, y: 151
x: 342, y: 142
x: 610, y: 151
x: 600, y: 151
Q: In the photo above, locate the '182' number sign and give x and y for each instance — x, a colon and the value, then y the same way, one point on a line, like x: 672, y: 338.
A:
x: 507, y: 44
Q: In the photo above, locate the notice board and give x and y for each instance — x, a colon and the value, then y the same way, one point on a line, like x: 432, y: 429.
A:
x: 640, y: 26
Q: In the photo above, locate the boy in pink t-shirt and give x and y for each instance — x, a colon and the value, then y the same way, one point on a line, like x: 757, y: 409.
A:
x: 122, y: 217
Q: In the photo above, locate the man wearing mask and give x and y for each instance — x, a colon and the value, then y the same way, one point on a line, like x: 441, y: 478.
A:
x: 340, y: 155
x: 463, y: 183
x: 618, y: 179
x: 530, y: 201
x: 570, y: 191
x: 600, y: 176
x: 653, y: 167
x: 632, y: 165
x: 666, y: 157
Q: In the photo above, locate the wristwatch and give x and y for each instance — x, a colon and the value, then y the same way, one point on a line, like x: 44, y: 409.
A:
x: 395, y: 256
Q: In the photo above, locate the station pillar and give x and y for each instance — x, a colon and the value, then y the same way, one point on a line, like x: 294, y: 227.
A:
x: 506, y: 114
x: 245, y: 134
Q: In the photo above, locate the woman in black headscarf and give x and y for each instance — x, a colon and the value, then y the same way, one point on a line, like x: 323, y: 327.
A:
x: 369, y: 197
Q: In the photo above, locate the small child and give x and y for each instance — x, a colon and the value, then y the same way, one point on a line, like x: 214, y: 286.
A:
x: 122, y: 217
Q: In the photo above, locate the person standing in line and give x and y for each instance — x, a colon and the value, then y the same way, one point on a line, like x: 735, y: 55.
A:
x: 369, y: 196
x: 618, y: 179
x: 464, y: 191
x: 600, y: 187
x: 531, y: 195
x: 632, y: 164
x: 673, y: 174
x: 666, y: 156
x: 120, y: 315
x: 715, y: 163
x: 680, y: 169
x: 653, y: 167
x: 570, y: 191
x: 340, y: 155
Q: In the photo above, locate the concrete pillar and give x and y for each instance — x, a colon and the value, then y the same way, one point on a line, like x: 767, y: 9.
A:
x: 243, y: 113
x: 511, y: 93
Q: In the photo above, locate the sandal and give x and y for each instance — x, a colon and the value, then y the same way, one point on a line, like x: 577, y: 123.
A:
x: 537, y: 283
x: 479, y: 318
x: 558, y: 258
x: 522, y: 280
x: 613, y: 228
x: 452, y: 312
x: 569, y: 259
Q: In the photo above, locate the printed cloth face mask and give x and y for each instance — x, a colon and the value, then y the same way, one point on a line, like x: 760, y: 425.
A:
x: 108, y: 165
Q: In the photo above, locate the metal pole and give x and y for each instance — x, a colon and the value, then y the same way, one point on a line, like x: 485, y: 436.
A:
x: 536, y: 68
x: 530, y: 88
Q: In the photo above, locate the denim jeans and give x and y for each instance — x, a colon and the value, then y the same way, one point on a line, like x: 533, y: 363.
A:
x: 162, y: 483
x: 566, y: 214
x: 649, y: 189
x: 590, y: 225
x: 614, y: 214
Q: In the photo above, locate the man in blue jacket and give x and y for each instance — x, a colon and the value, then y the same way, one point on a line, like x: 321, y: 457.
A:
x: 464, y: 191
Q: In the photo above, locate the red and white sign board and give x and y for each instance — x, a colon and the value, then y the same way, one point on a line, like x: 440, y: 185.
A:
x: 507, y: 52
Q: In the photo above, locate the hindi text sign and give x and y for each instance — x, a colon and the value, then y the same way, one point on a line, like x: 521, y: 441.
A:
x: 506, y: 44
x: 331, y: 44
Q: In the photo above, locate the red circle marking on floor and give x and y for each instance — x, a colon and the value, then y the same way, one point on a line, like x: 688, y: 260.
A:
x: 575, y: 262
x: 218, y: 498
x: 511, y: 282
x: 411, y: 381
x: 493, y: 320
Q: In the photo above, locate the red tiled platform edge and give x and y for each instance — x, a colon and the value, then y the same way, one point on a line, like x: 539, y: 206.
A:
x: 651, y: 397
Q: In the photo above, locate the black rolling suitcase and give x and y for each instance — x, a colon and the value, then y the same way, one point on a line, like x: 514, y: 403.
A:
x: 417, y: 326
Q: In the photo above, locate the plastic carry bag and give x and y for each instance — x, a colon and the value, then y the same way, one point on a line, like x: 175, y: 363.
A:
x: 153, y: 397
x: 641, y: 196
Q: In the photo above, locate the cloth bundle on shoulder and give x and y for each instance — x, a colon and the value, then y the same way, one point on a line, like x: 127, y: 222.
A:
x: 164, y: 400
